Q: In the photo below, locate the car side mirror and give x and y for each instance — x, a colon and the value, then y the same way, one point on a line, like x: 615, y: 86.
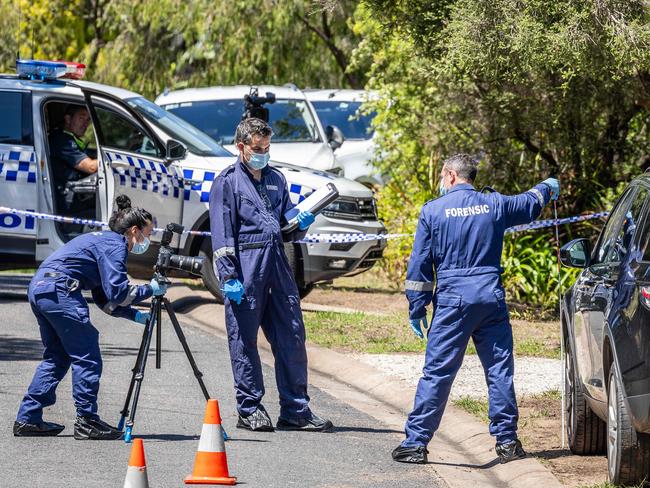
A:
x: 175, y: 151
x: 335, y: 137
x: 576, y: 254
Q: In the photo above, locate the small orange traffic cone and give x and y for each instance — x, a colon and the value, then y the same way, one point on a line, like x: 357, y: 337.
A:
x: 136, y: 473
x: 210, y: 464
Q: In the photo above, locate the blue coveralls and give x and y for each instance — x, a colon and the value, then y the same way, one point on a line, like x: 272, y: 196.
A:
x: 245, y: 220
x: 460, y: 235
x: 95, y: 262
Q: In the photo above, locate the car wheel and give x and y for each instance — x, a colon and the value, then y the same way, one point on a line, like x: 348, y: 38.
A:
x: 210, y: 279
x: 586, y: 431
x: 628, y: 452
x: 293, y: 255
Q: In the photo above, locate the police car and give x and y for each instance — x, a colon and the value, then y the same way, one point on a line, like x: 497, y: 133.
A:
x: 161, y: 162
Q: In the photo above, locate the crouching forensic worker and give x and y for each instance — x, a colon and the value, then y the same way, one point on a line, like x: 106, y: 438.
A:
x: 460, y: 236
x: 247, y: 204
x: 95, y: 262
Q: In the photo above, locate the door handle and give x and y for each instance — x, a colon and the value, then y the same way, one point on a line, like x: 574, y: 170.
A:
x: 190, y: 182
x: 117, y: 164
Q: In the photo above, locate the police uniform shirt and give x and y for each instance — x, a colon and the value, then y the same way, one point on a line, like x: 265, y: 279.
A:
x: 66, y: 156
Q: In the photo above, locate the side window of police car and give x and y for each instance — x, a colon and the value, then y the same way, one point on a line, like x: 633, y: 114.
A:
x: 16, y: 130
x: 121, y: 133
x: 617, y: 238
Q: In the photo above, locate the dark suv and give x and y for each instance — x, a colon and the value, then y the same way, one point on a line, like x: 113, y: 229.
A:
x: 606, y: 330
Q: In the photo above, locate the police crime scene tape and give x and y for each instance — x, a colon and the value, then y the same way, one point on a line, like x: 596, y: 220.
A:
x: 309, y: 238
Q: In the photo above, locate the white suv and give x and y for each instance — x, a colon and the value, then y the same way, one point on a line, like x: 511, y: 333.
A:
x: 340, y: 108
x: 299, y: 138
x: 163, y: 164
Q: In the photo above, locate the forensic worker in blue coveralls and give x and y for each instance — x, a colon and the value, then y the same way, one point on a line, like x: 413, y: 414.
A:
x: 457, y: 246
x: 248, y: 202
x: 95, y: 262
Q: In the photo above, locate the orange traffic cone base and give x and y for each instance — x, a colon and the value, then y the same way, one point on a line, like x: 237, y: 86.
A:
x: 191, y: 480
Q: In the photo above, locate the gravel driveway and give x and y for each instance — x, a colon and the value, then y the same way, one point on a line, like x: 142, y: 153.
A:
x: 532, y: 375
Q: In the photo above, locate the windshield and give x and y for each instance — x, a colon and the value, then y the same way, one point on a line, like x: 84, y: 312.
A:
x: 291, y: 120
x: 196, y: 141
x: 346, y: 116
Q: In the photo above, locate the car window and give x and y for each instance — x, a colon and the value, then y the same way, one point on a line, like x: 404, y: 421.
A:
x: 291, y: 120
x: 346, y: 116
x: 121, y: 133
x: 16, y: 129
x: 196, y: 141
x: 618, y: 234
x: 644, y: 234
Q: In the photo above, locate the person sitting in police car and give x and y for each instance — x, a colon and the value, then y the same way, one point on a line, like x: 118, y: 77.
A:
x: 96, y: 262
x: 71, y: 158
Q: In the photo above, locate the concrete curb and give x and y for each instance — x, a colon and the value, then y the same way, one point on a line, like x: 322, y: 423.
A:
x: 462, y: 451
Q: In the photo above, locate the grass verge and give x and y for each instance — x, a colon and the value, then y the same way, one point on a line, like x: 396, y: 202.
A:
x: 378, y: 334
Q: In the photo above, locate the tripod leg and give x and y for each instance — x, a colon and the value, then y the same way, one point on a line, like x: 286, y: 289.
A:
x: 188, y: 353
x: 139, y: 374
x: 136, y: 367
x: 186, y: 348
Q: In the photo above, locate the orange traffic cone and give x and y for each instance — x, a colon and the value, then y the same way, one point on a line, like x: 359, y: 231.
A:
x: 136, y: 473
x: 210, y: 464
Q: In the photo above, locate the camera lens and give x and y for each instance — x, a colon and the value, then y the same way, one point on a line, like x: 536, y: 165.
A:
x: 186, y: 263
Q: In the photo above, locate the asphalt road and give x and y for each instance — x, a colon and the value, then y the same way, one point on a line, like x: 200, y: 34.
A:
x: 169, y: 419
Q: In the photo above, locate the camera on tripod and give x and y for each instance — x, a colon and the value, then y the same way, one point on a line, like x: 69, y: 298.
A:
x: 254, y: 105
x: 168, y: 260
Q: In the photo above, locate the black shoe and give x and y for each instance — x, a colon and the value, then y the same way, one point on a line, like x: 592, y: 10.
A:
x: 258, y: 421
x: 43, y: 429
x: 310, y: 424
x: 510, y: 451
x: 414, y: 455
x: 87, y: 428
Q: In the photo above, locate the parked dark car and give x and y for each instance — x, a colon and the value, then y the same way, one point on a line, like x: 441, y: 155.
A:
x: 606, y: 330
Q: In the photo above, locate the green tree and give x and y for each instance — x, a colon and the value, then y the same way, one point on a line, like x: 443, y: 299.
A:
x: 154, y: 44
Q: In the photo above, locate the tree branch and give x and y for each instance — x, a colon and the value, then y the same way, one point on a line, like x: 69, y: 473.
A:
x: 532, y: 147
x: 325, y: 34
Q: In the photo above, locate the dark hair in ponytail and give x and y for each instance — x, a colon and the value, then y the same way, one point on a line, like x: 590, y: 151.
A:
x: 126, y: 216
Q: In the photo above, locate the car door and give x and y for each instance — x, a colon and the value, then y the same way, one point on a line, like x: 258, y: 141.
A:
x: 135, y: 157
x: 19, y: 172
x: 595, y: 290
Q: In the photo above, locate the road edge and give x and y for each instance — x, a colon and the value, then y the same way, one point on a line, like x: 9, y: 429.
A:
x: 462, y: 449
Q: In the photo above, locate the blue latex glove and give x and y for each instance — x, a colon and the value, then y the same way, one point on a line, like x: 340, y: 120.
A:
x: 157, y: 288
x: 305, y: 219
x: 142, y: 317
x: 234, y: 290
x: 419, y: 325
x: 554, y: 185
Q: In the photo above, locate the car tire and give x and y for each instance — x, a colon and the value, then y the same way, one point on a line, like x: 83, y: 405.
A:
x: 586, y: 432
x: 293, y: 256
x: 628, y: 452
x: 210, y: 279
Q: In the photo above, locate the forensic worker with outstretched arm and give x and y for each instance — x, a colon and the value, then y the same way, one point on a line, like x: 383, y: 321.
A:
x: 455, y: 266
x: 248, y: 202
x: 96, y: 262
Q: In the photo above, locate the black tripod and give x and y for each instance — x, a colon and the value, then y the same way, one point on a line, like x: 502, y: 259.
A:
x: 157, y: 304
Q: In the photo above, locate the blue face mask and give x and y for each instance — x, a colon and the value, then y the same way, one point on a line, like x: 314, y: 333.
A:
x: 441, y: 189
x: 141, y: 247
x: 258, y: 161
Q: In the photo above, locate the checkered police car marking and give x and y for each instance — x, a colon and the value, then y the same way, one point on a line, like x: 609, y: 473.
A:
x: 200, y: 192
x: 18, y: 166
x: 298, y: 193
x: 147, y: 175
